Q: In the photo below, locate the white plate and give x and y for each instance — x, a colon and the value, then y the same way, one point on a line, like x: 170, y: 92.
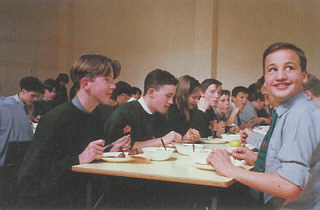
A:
x: 250, y: 146
x: 214, y: 141
x: 108, y: 156
x: 229, y: 149
x: 204, y: 166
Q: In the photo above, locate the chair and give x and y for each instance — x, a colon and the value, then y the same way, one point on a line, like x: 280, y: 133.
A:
x: 9, y: 171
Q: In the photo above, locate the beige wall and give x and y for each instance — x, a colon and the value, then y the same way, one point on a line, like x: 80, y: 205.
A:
x: 203, y: 38
x: 247, y: 28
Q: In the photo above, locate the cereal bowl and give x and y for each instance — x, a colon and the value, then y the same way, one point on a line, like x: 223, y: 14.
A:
x: 158, y: 153
x: 187, y: 149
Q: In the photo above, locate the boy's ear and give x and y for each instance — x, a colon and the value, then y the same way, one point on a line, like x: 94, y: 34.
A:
x: 151, y: 92
x: 84, y: 83
x: 233, y: 98
x: 305, y: 76
x: 309, y: 94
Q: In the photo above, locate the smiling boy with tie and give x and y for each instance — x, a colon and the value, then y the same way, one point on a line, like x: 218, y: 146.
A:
x: 288, y: 174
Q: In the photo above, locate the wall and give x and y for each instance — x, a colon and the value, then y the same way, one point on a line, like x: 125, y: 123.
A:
x: 28, y: 41
x: 247, y: 28
x: 203, y: 38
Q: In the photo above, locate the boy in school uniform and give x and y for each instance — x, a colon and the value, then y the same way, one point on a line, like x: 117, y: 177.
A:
x: 287, y: 166
x: 239, y: 98
x: 139, y: 115
x: 312, y: 88
x: 69, y: 134
x: 204, y: 119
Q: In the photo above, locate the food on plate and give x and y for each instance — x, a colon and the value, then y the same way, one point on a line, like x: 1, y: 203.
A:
x: 121, y: 155
x: 235, y: 143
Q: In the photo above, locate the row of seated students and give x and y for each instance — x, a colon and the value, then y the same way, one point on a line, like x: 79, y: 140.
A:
x: 76, y: 131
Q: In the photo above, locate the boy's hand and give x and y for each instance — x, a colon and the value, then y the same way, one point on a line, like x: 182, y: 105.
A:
x: 244, y: 134
x: 172, y: 136
x: 219, y: 159
x: 122, y: 146
x: 246, y: 154
x: 192, y: 135
x: 92, y: 152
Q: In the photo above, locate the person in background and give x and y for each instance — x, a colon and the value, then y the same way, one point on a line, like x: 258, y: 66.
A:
x: 286, y: 169
x: 46, y: 104
x: 159, y: 90
x: 30, y: 90
x: 178, y: 118
x: 204, y: 119
x: 247, y: 134
x: 72, y: 92
x: 136, y: 94
x: 122, y: 93
x: 14, y: 122
x: 70, y: 134
x: 254, y: 106
x: 61, y: 91
x: 223, y: 111
x: 312, y: 88
x: 239, y: 99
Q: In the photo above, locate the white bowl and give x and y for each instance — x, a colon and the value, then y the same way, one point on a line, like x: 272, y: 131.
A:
x: 230, y: 137
x: 187, y: 149
x: 158, y: 153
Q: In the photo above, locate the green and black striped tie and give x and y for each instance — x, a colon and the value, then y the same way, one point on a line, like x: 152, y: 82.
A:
x: 261, y: 160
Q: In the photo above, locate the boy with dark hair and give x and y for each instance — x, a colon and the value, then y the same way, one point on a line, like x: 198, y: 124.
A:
x: 136, y: 93
x: 46, y: 104
x: 14, y: 123
x: 159, y: 89
x: 204, y: 118
x: 30, y: 90
x: 122, y: 93
x: 61, y: 82
x: 287, y: 167
x: 239, y: 97
x: 312, y: 88
x: 254, y: 108
x: 70, y: 134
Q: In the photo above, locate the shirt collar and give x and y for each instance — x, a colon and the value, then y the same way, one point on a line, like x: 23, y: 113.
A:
x: 16, y: 97
x: 299, y: 98
x: 144, y: 105
x: 76, y: 103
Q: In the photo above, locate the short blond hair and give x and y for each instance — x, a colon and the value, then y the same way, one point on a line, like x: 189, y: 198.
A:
x: 92, y: 66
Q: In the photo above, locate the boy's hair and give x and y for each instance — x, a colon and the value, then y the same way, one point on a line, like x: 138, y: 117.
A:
x: 255, y: 93
x: 31, y: 84
x: 157, y: 78
x: 49, y: 84
x: 207, y: 82
x: 285, y: 46
x: 122, y: 87
x: 239, y: 89
x: 260, y: 83
x: 92, y: 66
x: 135, y: 90
x: 312, y: 85
x: 186, y: 86
x: 62, y: 77
x: 225, y: 92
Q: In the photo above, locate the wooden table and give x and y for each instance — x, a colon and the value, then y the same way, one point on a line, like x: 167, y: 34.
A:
x: 179, y: 169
